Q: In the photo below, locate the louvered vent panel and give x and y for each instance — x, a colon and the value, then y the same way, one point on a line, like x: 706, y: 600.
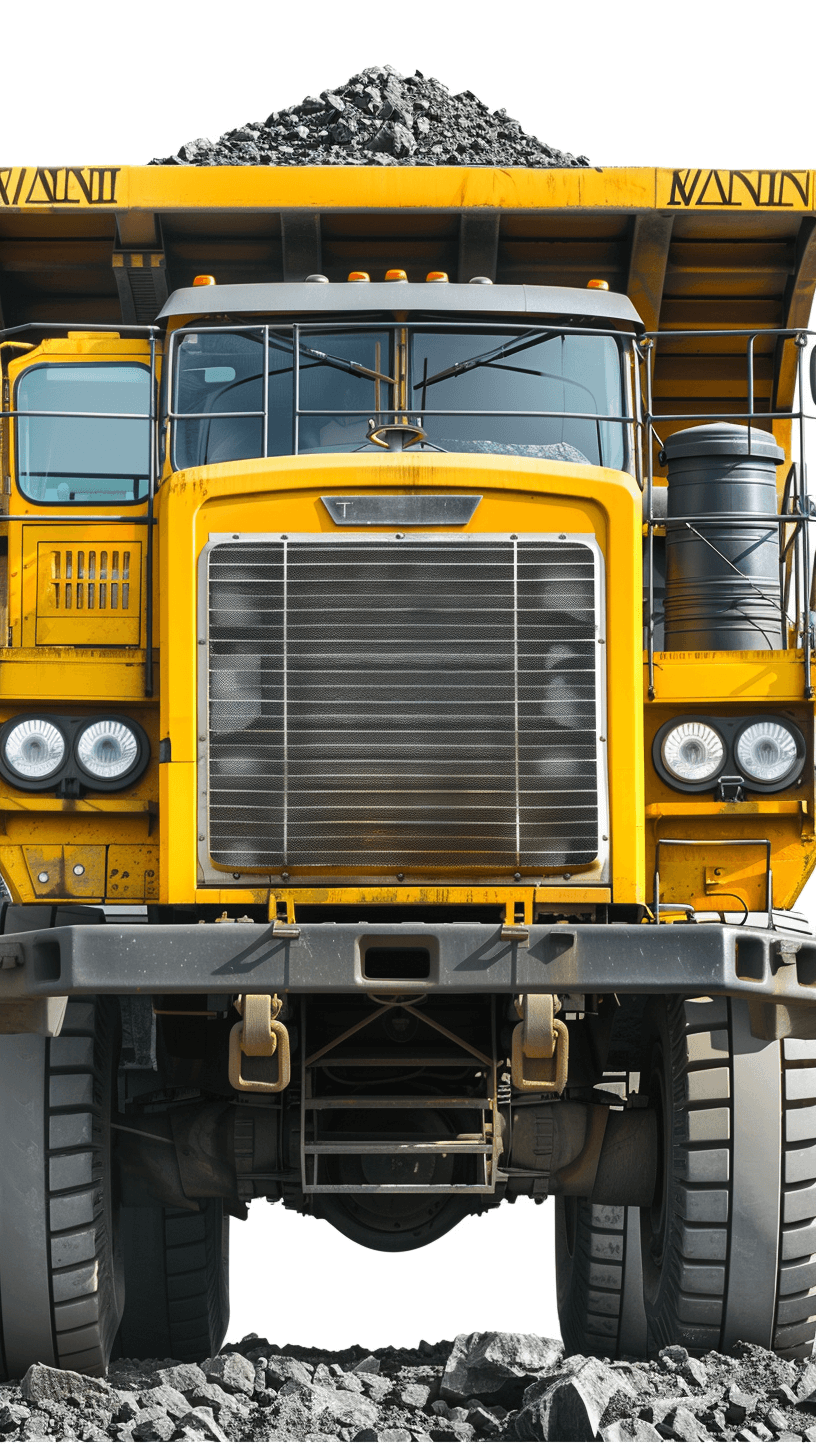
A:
x: 417, y: 703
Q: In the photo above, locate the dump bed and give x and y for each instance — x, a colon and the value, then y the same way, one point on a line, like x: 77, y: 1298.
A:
x: 695, y: 248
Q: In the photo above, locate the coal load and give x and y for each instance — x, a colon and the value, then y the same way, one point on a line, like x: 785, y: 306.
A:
x: 378, y: 119
x: 480, y: 1387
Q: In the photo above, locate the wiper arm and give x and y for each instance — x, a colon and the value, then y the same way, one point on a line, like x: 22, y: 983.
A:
x: 504, y: 351
x: 559, y: 379
x: 349, y: 366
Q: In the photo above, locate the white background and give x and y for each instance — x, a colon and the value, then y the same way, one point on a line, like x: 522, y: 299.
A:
x: 631, y: 82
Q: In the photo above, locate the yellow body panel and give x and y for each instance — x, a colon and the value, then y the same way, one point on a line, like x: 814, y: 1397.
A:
x: 284, y: 495
x: 729, y: 684
x: 39, y: 190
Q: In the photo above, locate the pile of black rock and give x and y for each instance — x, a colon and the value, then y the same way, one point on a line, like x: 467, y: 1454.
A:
x: 481, y: 1387
x: 378, y: 118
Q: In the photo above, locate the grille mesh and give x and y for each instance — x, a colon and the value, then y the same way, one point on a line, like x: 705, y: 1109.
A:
x: 402, y: 704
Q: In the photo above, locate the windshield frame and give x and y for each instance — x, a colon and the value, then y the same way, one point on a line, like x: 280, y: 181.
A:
x: 273, y: 331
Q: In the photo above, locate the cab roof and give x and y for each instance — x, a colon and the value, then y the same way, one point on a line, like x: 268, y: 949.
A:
x: 587, y: 306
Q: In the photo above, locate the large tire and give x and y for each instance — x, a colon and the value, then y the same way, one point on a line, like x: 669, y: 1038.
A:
x: 729, y: 1246
x: 598, y: 1279
x: 177, y: 1277
x: 61, y: 1290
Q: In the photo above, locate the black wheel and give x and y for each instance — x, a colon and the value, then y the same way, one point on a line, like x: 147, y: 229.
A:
x: 177, y: 1277
x: 61, y: 1288
x: 598, y: 1278
x: 729, y: 1244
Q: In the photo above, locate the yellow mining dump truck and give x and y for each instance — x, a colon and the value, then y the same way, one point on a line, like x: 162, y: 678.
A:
x: 368, y: 849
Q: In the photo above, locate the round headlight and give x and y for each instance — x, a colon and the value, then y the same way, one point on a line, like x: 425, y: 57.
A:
x: 693, y: 752
x: 766, y: 751
x: 34, y: 748
x: 107, y: 749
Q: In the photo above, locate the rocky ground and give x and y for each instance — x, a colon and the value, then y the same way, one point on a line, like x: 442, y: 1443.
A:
x: 378, y: 118
x: 483, y: 1387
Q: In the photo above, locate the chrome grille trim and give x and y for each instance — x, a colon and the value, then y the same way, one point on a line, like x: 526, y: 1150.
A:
x: 474, y: 633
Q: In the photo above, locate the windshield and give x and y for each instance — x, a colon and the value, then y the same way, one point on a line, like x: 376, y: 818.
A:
x: 65, y: 461
x: 501, y: 382
x: 538, y: 392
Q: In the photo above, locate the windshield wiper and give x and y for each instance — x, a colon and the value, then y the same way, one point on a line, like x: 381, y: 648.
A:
x: 350, y: 366
x: 504, y: 351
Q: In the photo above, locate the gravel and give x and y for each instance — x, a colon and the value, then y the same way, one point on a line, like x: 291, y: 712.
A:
x: 378, y: 118
x: 255, y: 1391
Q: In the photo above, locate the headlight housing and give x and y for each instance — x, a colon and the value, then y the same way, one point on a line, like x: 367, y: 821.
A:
x: 67, y: 755
x: 767, y: 752
x: 107, y: 749
x: 693, y: 752
x: 33, y: 749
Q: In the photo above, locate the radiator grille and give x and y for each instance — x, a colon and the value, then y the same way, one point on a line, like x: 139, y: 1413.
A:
x: 397, y: 704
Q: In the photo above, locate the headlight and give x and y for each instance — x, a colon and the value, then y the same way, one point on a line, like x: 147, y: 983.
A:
x: 766, y: 751
x: 107, y: 749
x: 693, y: 752
x: 34, y: 748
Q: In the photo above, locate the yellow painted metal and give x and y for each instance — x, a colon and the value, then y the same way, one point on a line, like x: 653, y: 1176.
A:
x: 87, y: 593
x: 41, y: 190
x: 77, y: 612
x: 703, y: 677
x: 284, y: 903
x: 729, y: 685
x: 62, y: 872
x: 285, y: 495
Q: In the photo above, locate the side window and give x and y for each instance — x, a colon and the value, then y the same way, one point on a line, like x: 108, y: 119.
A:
x: 63, y: 455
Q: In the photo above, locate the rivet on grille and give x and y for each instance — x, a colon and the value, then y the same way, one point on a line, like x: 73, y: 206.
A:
x: 42, y: 877
x: 79, y: 869
x: 236, y: 876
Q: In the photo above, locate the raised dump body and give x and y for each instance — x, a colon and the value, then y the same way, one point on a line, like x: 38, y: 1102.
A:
x: 367, y: 849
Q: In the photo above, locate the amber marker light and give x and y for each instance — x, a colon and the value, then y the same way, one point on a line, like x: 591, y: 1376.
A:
x: 598, y: 283
x: 437, y: 278
x: 201, y: 279
x: 396, y: 275
x: 359, y: 278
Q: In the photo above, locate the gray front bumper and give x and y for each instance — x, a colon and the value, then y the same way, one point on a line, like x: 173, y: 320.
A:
x: 687, y: 959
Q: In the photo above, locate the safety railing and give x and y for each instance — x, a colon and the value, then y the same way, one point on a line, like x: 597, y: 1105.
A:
x: 792, y: 521
x: 401, y: 419
x: 404, y: 415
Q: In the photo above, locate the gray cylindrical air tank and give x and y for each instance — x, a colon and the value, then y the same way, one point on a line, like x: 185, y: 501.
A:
x: 722, y: 585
